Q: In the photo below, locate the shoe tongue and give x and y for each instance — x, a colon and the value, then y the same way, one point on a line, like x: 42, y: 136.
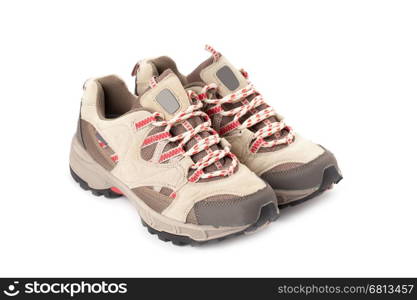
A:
x: 167, y: 96
x: 222, y: 73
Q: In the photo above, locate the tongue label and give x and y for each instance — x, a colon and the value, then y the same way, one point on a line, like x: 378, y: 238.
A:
x: 168, y: 101
x: 226, y: 76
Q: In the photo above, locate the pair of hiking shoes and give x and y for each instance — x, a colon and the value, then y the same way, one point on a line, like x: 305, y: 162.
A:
x: 202, y: 156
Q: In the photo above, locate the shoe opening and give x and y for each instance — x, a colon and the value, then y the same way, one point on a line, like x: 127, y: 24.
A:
x: 164, y: 63
x: 115, y: 99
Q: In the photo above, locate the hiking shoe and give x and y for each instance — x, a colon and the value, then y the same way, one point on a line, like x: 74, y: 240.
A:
x: 296, y: 168
x: 160, y: 152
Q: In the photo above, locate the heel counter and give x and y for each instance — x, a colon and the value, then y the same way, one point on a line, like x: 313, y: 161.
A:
x: 88, y: 121
x: 91, y: 102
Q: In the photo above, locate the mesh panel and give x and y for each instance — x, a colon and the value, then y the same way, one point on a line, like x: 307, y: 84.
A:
x: 227, y: 119
x: 195, y: 121
x: 191, y: 217
x: 216, y: 121
x: 147, y: 152
x: 166, y: 191
x: 168, y: 147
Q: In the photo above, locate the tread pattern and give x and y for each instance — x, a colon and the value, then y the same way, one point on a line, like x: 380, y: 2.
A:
x: 268, y: 214
x: 330, y: 176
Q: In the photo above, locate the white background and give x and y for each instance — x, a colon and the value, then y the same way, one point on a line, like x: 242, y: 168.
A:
x: 344, y: 74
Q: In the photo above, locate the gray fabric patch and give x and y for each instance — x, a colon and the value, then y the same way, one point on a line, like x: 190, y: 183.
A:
x: 227, y: 77
x: 168, y: 101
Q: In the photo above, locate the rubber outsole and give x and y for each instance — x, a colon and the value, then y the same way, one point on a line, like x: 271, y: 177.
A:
x: 267, y: 215
x: 331, y: 176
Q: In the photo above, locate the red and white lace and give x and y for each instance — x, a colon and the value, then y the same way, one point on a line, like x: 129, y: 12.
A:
x: 203, y: 144
x: 270, y: 128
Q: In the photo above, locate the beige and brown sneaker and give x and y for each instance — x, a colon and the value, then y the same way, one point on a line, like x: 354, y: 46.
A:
x: 160, y: 151
x: 296, y: 168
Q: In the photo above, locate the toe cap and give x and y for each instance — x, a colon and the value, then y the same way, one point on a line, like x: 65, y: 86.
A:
x: 300, y: 176
x: 231, y: 210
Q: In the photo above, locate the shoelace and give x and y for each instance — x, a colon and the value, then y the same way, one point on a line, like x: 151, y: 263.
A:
x: 202, y: 144
x: 270, y: 128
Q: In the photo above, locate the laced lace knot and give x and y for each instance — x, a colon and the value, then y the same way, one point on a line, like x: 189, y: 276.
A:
x: 256, y: 115
x: 203, y: 144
